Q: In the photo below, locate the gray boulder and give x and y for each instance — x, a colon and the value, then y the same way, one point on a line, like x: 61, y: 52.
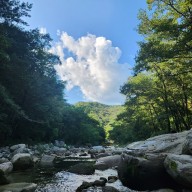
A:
x: 47, y: 160
x: 83, y: 168
x: 19, y: 187
x: 22, y: 161
x: 3, y: 178
x: 14, y: 147
x: 6, y: 167
x: 167, y: 143
x: 180, y: 168
x: 145, y: 173
x: 187, y: 147
x: 107, y: 162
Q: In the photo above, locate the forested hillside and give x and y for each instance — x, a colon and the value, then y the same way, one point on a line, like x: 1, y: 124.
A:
x: 105, y: 114
x: 159, y: 94
x: 32, y: 104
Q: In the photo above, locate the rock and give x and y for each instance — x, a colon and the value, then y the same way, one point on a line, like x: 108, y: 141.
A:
x: 4, y: 160
x: 22, y: 161
x: 19, y: 187
x: 83, y: 168
x: 112, y: 179
x: 14, y: 147
x: 6, y: 167
x: 187, y: 147
x: 21, y: 150
x: 180, y: 168
x: 107, y: 162
x: 47, y: 160
x: 167, y: 143
x: 83, y: 154
x: 145, y: 173
x: 102, y: 155
x: 100, y: 183
x: 103, y: 178
x: 3, y: 179
x: 109, y: 189
x: 85, y: 185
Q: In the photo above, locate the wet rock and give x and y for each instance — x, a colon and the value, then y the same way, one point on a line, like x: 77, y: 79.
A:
x: 180, y: 168
x: 102, y: 155
x: 99, y: 183
x: 19, y: 187
x: 107, y: 162
x: 47, y: 160
x: 112, y: 179
x: 145, y: 173
x: 85, y: 185
x: 83, y: 168
x: 4, y: 160
x: 22, y: 161
x: 6, y: 167
x: 109, y: 189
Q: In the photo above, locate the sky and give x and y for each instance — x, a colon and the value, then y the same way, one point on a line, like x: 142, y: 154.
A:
x: 96, y: 41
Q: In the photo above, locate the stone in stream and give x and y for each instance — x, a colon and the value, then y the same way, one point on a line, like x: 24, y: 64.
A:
x: 19, y: 187
x: 87, y: 168
x: 3, y: 179
x: 180, y: 168
x: 47, y: 160
x: 22, y: 161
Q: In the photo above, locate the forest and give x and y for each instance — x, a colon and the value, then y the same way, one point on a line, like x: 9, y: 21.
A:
x: 33, y: 107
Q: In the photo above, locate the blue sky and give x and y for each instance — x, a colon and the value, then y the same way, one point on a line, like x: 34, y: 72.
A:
x: 97, y: 43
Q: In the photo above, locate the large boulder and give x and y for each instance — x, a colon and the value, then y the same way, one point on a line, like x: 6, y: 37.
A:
x: 144, y: 173
x: 19, y: 187
x: 83, y: 168
x: 108, y: 162
x: 3, y: 178
x: 6, y: 167
x: 167, y: 143
x: 22, y: 161
x: 47, y: 160
x: 180, y: 168
x: 187, y: 147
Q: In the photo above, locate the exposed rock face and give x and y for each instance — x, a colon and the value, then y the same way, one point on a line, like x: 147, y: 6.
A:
x: 108, y: 162
x: 22, y: 161
x: 144, y: 173
x: 167, y: 143
x: 83, y: 169
x: 180, y: 168
x: 19, y: 187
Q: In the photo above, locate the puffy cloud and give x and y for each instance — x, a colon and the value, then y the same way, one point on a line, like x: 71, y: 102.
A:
x: 92, y: 64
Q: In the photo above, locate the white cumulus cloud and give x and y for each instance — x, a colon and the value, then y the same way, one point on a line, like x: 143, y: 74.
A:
x: 92, y: 64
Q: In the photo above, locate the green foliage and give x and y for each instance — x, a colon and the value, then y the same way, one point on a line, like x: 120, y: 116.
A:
x: 32, y: 104
x: 159, y: 95
x: 104, y: 114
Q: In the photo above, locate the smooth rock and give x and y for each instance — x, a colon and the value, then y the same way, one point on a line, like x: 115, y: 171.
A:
x: 145, y: 173
x: 6, y: 167
x: 180, y: 168
x: 22, y: 161
x: 47, y: 160
x: 83, y: 168
x: 167, y: 143
x: 19, y: 187
x: 107, y: 162
x: 187, y: 147
x: 14, y: 147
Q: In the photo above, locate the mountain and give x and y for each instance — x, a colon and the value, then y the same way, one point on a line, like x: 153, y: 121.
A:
x: 105, y: 114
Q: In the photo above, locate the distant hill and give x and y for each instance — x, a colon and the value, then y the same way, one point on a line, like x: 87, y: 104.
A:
x: 105, y: 114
